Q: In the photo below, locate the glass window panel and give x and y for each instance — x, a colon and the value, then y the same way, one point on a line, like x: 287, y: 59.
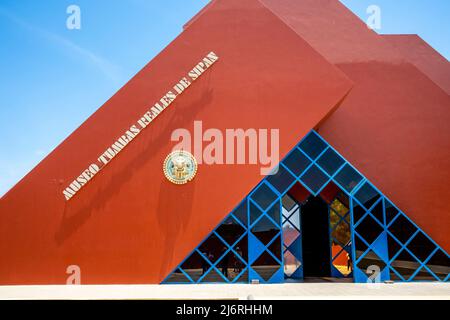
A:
x: 243, y: 278
x: 241, y: 248
x: 274, y: 212
x: 297, y: 162
x: 343, y: 263
x: 266, y: 266
x: 348, y: 178
x: 369, y: 229
x: 391, y: 211
x: 424, y: 275
x: 291, y: 263
x: 358, y: 212
x: 295, y: 219
x: 402, y: 228
x: 275, y: 247
x: 290, y: 234
x: 339, y: 207
x: 288, y: 202
x: 255, y: 213
x: 241, y: 212
x: 393, y: 247
x: 212, y: 248
x: 439, y: 264
x: 377, y: 212
x: 343, y: 198
x: 213, y: 277
x: 177, y: 277
x: 230, y: 266
x: 330, y: 161
x: 360, y: 247
x: 314, y: 178
x: 421, y: 246
x: 369, y: 260
x: 342, y: 233
x: 299, y: 193
x: 394, y: 276
x: 312, y: 145
x: 230, y: 230
x: 405, y: 264
x: 195, y: 266
x: 330, y: 192
x: 263, y: 196
x: 334, y: 219
x: 265, y: 230
x: 367, y: 195
x: 281, y: 180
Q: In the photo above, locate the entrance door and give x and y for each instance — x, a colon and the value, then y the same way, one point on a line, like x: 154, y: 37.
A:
x: 315, y: 238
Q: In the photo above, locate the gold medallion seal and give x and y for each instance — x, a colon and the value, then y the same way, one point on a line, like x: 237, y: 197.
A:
x: 180, y: 167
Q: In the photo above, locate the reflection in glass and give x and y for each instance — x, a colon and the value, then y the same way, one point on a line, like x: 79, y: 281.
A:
x: 266, y: 266
x: 341, y: 233
x: 291, y: 264
x: 265, y: 230
x: 290, y: 233
x: 288, y: 204
x: 343, y: 261
x: 339, y: 207
x: 334, y: 219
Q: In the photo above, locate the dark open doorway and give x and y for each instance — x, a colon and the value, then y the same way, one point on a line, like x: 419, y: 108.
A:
x: 316, y: 238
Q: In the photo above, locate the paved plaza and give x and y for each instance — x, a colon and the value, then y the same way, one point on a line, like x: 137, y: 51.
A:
x: 303, y: 291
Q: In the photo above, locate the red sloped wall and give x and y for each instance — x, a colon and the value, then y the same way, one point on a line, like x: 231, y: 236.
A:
x: 129, y: 225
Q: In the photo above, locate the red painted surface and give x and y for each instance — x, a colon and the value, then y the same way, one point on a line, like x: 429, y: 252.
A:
x: 423, y: 56
x: 129, y: 225
x: 394, y: 124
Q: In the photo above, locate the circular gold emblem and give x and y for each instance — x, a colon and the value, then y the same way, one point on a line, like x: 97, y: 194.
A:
x: 180, y: 167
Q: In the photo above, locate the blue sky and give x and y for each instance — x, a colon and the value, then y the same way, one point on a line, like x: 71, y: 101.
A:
x: 52, y: 78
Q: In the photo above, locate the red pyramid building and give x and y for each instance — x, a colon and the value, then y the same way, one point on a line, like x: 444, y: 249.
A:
x: 290, y: 65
